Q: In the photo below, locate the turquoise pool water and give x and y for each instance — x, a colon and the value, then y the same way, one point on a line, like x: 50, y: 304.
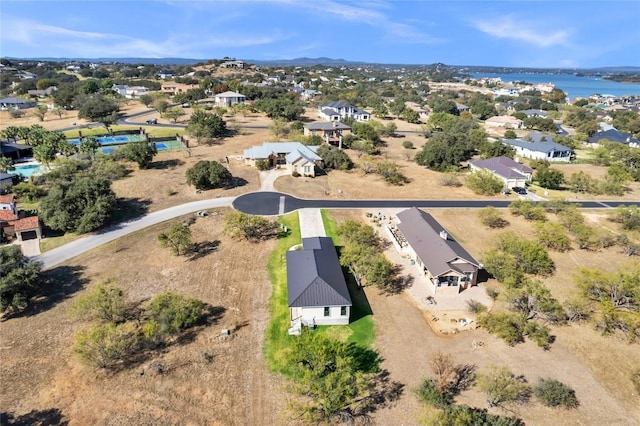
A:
x: 113, y: 140
x: 27, y: 170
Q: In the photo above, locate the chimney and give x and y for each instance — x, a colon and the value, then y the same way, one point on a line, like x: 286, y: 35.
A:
x: 444, y: 235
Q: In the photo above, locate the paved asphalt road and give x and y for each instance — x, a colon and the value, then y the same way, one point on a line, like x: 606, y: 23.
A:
x: 274, y: 203
x: 74, y: 248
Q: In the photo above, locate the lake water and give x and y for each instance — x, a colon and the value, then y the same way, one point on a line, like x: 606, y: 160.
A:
x: 571, y: 84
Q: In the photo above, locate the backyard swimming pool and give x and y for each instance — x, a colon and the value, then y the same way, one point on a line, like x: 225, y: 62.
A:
x: 27, y: 170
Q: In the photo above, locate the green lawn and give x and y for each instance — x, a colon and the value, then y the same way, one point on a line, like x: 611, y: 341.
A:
x: 155, y: 132
x: 277, y: 341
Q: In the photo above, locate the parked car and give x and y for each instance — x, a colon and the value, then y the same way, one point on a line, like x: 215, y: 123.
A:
x: 519, y: 190
x: 152, y: 121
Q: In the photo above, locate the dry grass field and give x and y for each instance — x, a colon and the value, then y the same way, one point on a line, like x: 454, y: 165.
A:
x: 234, y: 388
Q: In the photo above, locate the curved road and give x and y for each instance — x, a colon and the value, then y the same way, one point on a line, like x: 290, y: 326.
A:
x: 267, y: 204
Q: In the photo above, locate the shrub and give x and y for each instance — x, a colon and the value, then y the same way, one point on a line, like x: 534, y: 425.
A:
x: 427, y: 391
x: 484, y: 182
x: 170, y: 313
x: 491, y: 217
x: 241, y: 226
x: 450, y: 179
x: 407, y: 145
x: 553, y: 236
x: 105, y: 302
x: 28, y: 191
x: 554, y: 393
x: 475, y: 307
x: 295, y: 174
x: 508, y: 327
x: 263, y: 164
x: 106, y: 345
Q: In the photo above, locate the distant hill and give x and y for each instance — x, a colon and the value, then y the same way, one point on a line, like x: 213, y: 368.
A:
x: 304, y: 62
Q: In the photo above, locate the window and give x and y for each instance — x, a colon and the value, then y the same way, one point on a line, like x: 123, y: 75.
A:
x: 343, y: 311
x: 327, y: 311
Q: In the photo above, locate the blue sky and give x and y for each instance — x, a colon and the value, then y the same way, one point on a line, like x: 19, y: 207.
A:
x: 573, y: 33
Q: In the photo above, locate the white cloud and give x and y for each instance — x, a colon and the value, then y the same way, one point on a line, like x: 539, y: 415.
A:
x: 530, y: 32
x: 60, y: 41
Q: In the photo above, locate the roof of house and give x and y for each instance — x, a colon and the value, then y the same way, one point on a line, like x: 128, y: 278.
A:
x: 7, y: 199
x: 423, y: 233
x: 336, y: 104
x: 324, y: 125
x: 9, y: 147
x: 26, y: 223
x: 293, y: 151
x: 314, y: 275
x: 538, y: 112
x: 329, y: 111
x: 536, y: 146
x: 229, y: 94
x: 503, y: 166
x: 613, y: 135
x: 15, y: 101
x: 7, y: 215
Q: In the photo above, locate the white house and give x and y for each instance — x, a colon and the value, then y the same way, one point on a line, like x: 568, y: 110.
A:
x: 540, y: 150
x: 511, y: 172
x: 129, y: 92
x: 317, y: 290
x: 336, y: 111
x: 227, y: 99
x: 294, y: 156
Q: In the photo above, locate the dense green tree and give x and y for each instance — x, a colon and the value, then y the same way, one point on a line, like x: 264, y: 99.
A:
x: 495, y: 149
x: 18, y: 276
x: 397, y: 107
x: 628, y: 216
x: 161, y: 104
x: 99, y: 108
x: 530, y: 256
x: 203, y: 125
x: 334, y: 158
x: 45, y: 153
x: 281, y: 107
x: 89, y: 145
x: 410, y: 116
x: 141, y: 152
x: 177, y: 239
x: 6, y: 165
x: 330, y: 377
x: 463, y: 415
x: 438, y: 104
x: 208, y: 175
x: 549, y: 178
x: 441, y: 152
x: 483, y: 110
x: 81, y: 204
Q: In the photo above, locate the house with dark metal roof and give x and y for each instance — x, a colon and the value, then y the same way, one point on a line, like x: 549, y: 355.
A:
x: 330, y: 132
x: 614, y: 135
x: 317, y: 290
x: 541, y: 150
x: 15, y: 151
x: 510, y: 171
x: 535, y: 113
x: 448, y: 267
x: 16, y: 103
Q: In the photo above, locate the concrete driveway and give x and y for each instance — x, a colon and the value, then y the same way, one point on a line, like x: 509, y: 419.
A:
x: 311, y: 223
x: 31, y: 247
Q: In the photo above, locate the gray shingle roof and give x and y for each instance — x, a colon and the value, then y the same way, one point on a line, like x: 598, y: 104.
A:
x: 612, y: 135
x: 503, y: 166
x: 314, y: 275
x: 323, y: 125
x: 422, y: 232
x: 536, y: 146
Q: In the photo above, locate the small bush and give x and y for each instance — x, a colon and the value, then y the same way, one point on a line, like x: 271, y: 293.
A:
x: 427, y: 391
x: 263, y: 164
x: 450, y: 179
x: 407, y: 145
x: 492, y: 293
x: 491, y: 217
x: 554, y: 393
x: 106, y: 345
x: 295, y: 174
